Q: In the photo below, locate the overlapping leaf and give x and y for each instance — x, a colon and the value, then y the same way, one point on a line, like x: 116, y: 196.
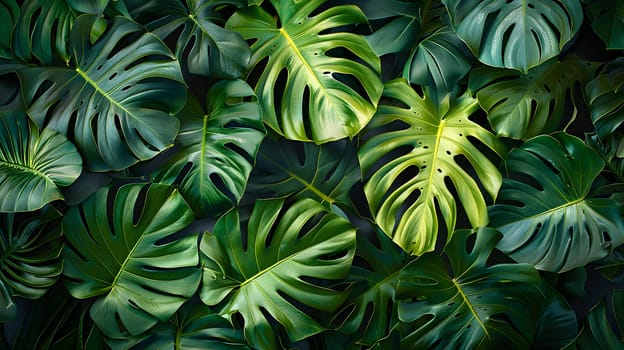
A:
x: 116, y: 97
x: 9, y: 13
x: 122, y: 248
x: 521, y: 105
x: 516, y: 34
x: 307, y: 88
x: 414, y: 149
x: 471, y: 306
x: 608, y: 21
x: 277, y: 263
x: 304, y: 170
x: 545, y: 211
x: 34, y: 164
x: 218, y: 148
x: 606, y: 100
x: 599, y: 332
x: 212, y: 50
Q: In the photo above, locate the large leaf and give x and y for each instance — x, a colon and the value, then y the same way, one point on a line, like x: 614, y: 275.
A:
x: 122, y: 248
x: 304, y: 170
x: 473, y: 305
x: 607, y: 17
x: 116, y: 96
x: 308, y: 91
x: 34, y: 164
x: 370, y: 311
x: 521, y: 105
x: 277, y: 263
x: 42, y: 31
x: 415, y: 148
x: 544, y: 209
x: 194, y: 326
x: 516, y: 34
x: 218, y: 148
x: 212, y: 50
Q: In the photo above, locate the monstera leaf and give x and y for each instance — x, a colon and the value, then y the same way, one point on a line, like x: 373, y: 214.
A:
x: 194, y: 326
x: 218, y: 148
x: 308, y: 91
x: 34, y: 164
x: 9, y: 13
x: 42, y: 31
x: 515, y: 34
x: 471, y: 306
x: 606, y: 100
x: 304, y: 170
x: 520, y: 105
x: 122, y: 248
x: 277, y: 263
x: 401, y: 30
x: 30, y: 257
x: 427, y: 146
x: 544, y: 208
x: 598, y: 331
x: 439, y: 62
x: 370, y: 311
x: 115, y: 102
x: 607, y: 18
x: 212, y: 50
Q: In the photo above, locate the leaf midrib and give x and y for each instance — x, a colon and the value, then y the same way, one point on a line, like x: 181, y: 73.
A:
x: 26, y: 169
x: 293, y: 46
x: 470, y: 307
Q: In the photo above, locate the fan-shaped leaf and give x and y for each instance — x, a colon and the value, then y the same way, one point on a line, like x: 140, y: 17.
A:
x: 304, y: 170
x: 117, y: 98
x: 516, y: 34
x: 473, y: 305
x: 212, y: 50
x: 544, y: 209
x: 277, y: 263
x: 43, y: 30
x: 33, y: 164
x: 521, y: 105
x: 307, y: 89
x: 415, y: 148
x: 218, y: 148
x: 607, y: 17
x: 122, y: 247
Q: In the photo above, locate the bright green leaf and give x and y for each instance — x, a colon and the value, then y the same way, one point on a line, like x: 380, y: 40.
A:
x: 545, y: 211
x: 517, y: 34
x: 218, y: 148
x: 122, y: 249
x: 115, y: 99
x: 308, y: 90
x: 278, y: 259
x: 414, y: 149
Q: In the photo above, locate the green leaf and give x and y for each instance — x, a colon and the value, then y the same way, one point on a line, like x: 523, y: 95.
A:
x: 473, y: 305
x: 42, y: 31
x: 607, y: 19
x: 33, y: 164
x: 308, y: 90
x: 9, y: 13
x: 194, y: 326
x: 371, y: 311
x: 30, y: 250
x: 401, y: 32
x: 115, y: 99
x: 598, y: 330
x: 557, y: 325
x: 277, y: 263
x: 212, y: 50
x: 94, y: 7
x: 612, y: 266
x: 517, y: 34
x: 122, y: 248
x: 305, y: 170
x: 217, y: 148
x: 8, y: 309
x: 545, y: 211
x: 439, y: 62
x: 606, y: 99
x: 414, y: 149
x: 520, y: 105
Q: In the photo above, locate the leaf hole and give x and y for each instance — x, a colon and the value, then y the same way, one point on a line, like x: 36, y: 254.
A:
x: 222, y: 187
x: 240, y: 151
x: 139, y: 205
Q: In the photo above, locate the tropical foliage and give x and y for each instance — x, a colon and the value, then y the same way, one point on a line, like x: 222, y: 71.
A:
x: 320, y: 174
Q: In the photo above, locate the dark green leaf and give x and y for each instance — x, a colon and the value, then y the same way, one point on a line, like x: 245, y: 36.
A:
x: 218, y: 148
x: 277, y: 263
x: 544, y: 209
x: 94, y: 7
x: 122, y: 248
x: 606, y: 100
x: 557, y: 325
x: 607, y: 17
x: 604, y: 326
x: 9, y: 13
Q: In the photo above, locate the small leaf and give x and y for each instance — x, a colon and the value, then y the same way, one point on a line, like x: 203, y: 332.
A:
x: 545, y: 211
x: 277, y: 263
